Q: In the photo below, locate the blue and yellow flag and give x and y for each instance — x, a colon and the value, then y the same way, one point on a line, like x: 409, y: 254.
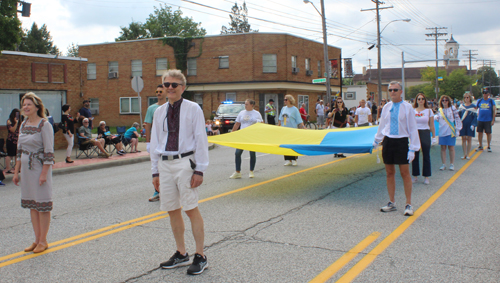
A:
x: 297, y: 142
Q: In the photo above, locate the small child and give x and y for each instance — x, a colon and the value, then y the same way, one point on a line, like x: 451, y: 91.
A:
x: 208, y: 126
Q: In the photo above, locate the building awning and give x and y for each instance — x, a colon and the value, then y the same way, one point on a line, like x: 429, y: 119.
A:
x: 246, y: 86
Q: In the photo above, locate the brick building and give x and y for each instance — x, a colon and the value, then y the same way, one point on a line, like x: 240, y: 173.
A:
x: 56, y: 80
x: 233, y: 67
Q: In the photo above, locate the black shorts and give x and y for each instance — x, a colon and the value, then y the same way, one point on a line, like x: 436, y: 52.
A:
x: 484, y: 127
x: 395, y: 151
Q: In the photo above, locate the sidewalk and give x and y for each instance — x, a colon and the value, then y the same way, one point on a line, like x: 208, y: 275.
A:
x: 85, y: 164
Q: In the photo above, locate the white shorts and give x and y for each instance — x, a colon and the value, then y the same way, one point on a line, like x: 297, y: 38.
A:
x: 175, y: 185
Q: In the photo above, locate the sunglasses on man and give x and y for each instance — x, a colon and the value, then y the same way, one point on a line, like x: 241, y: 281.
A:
x: 393, y: 90
x: 160, y: 91
x: 174, y: 85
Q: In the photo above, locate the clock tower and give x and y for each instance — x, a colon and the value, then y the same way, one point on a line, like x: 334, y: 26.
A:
x: 451, y: 52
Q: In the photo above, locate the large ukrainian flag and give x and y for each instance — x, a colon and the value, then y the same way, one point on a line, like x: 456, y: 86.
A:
x: 297, y: 142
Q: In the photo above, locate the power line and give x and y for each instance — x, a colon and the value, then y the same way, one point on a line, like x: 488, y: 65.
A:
x: 436, y: 36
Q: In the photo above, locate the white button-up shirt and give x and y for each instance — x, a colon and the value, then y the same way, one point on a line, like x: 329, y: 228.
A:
x: 192, y: 135
x: 407, y: 125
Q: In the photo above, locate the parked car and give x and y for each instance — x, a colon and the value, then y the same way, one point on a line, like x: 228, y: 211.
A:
x: 226, y: 115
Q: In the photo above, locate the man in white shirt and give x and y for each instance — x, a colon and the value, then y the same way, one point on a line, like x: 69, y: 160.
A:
x: 179, y: 156
x: 397, y: 128
x: 320, y: 112
x: 245, y: 118
x: 363, y: 115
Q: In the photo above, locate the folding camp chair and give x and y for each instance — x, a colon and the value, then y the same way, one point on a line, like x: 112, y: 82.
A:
x: 127, y: 147
x: 88, y: 149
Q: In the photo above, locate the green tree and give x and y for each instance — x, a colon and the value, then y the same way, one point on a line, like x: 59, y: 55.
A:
x: 453, y: 85
x: 239, y: 21
x: 487, y: 77
x: 10, y: 25
x: 135, y: 30
x: 72, y: 50
x: 38, y: 41
x: 163, y: 22
x: 426, y: 89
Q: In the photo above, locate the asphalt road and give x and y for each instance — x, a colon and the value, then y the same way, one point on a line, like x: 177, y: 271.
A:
x: 288, y: 224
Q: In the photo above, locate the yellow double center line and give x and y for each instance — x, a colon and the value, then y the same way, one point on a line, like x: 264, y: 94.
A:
x: 352, y: 273
x: 82, y: 238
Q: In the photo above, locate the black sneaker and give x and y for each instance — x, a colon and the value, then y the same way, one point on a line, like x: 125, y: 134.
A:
x: 175, y: 261
x: 199, y: 264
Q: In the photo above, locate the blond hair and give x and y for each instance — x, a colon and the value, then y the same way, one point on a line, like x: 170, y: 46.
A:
x: 290, y: 98
x: 37, y: 101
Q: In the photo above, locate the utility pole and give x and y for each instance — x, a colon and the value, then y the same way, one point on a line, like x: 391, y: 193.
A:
x: 436, y: 34
x: 370, y: 66
x: 469, y: 54
x: 379, y: 63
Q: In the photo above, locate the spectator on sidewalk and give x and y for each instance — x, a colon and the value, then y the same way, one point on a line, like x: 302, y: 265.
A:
x: 399, y: 136
x: 13, y: 124
x: 161, y: 94
x: 486, y: 112
x: 104, y: 133
x: 303, y: 113
x: 363, y: 115
x: 35, y: 156
x: 245, y: 118
x: 320, y: 112
x: 68, y: 129
x: 85, y: 113
x: 178, y: 160
x: 270, y: 112
x: 132, y: 137
x: 450, y: 125
x: 85, y: 133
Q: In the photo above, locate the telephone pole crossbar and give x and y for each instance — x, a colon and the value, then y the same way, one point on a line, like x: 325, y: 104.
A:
x: 435, y: 36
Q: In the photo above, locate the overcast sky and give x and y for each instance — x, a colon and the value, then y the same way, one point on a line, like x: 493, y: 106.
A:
x: 474, y: 24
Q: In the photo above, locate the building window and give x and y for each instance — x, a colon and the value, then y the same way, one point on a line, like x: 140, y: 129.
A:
x: 91, y: 71
x: 231, y: 96
x: 152, y: 100
x: 269, y: 64
x: 191, y: 66
x: 223, y: 62
x: 294, y: 61
x: 136, y: 68
x: 319, y: 69
x: 198, y: 98
x: 161, y: 66
x: 94, y: 106
x: 308, y: 64
x: 129, y: 105
x: 112, y: 69
x: 303, y: 99
x: 350, y: 96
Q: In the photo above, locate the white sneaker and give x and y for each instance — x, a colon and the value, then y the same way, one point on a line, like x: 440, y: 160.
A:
x: 452, y: 168
x: 426, y: 181
x: 294, y: 162
x: 251, y: 175
x: 288, y: 163
x: 443, y: 167
x: 408, y: 210
x: 414, y: 180
x: 236, y: 175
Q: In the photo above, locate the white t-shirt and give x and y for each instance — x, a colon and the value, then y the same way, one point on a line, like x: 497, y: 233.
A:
x: 362, y: 114
x: 423, y: 119
x: 320, y: 109
x: 248, y: 118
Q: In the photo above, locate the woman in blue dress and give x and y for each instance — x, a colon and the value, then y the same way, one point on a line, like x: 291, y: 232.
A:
x: 468, y: 114
x: 290, y: 118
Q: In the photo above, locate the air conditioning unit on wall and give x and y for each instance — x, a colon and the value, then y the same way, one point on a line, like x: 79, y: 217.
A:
x: 295, y: 70
x: 309, y: 72
x: 112, y: 75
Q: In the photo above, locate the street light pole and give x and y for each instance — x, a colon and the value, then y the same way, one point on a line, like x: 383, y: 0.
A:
x: 325, y: 49
x: 379, y: 55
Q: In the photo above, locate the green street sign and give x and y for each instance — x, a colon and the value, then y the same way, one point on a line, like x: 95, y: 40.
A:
x: 318, y: 81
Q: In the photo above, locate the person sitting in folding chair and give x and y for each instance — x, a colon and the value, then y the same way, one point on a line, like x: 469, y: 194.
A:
x: 104, y: 133
x: 132, y: 136
x: 85, y: 133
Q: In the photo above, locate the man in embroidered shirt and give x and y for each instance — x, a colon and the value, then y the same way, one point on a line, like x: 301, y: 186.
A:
x: 179, y: 156
x: 397, y: 125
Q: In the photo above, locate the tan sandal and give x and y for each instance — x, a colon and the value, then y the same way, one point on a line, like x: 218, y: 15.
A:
x: 30, y: 248
x: 40, y: 248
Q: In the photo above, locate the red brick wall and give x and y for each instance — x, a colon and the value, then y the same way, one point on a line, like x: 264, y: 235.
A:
x: 16, y: 72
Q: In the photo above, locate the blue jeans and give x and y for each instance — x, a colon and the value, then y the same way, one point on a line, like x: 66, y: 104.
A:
x: 237, y: 159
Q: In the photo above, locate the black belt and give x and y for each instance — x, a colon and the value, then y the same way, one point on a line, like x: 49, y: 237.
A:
x: 171, y: 157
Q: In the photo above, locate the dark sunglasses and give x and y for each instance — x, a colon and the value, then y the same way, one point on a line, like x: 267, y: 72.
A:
x: 393, y: 90
x: 174, y: 85
x: 446, y: 100
x: 419, y: 99
x: 285, y: 99
x: 160, y: 91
